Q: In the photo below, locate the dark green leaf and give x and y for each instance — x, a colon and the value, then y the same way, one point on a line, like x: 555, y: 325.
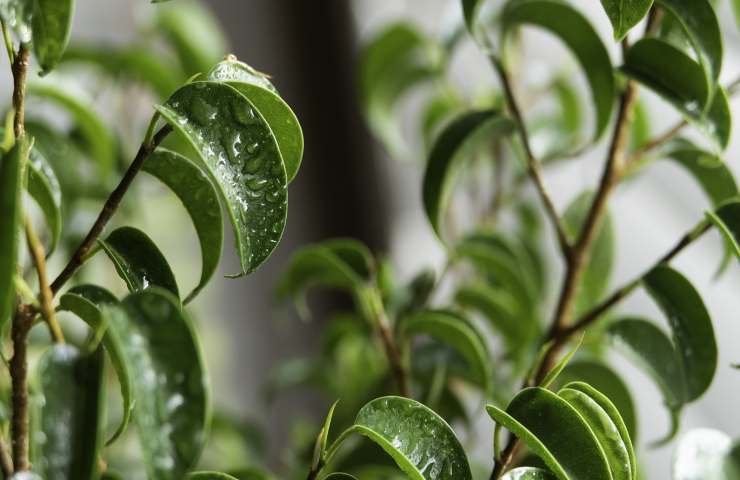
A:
x: 577, y: 33
x: 72, y: 414
x: 52, y: 24
x: 240, y: 152
x: 715, y: 179
x: 499, y: 308
x: 11, y: 187
x: 435, y: 115
x: 700, y: 454
x: 209, y: 476
x: 470, y: 13
x: 44, y: 187
x: 172, y: 408
x: 451, y: 152
x: 527, y: 473
x: 138, y: 261
x: 680, y: 81
x: 340, y: 476
x: 693, y: 333
x: 625, y: 14
x: 197, y: 194
x: 279, y: 116
x: 727, y: 220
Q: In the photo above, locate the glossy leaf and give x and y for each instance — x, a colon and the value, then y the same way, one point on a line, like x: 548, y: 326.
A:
x: 580, y: 37
x: 199, y: 197
x: 279, y: 116
x: 727, y: 220
x: 171, y: 388
x: 420, y: 442
x: 240, y: 153
x: 11, y: 188
x: 693, y: 334
x: 52, y: 24
x: 541, y: 420
x: 625, y: 14
x: 456, y: 331
x: 138, y: 261
x: 209, y: 476
x: 451, y: 152
x: 71, y: 419
x: 700, y: 454
x: 679, y: 79
x: 527, y: 473
x: 43, y: 186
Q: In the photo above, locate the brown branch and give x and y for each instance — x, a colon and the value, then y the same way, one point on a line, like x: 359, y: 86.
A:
x: 6, y: 461
x: 22, y: 323
x: 38, y: 256
x: 110, y: 207
x: 395, y: 360
x: 533, y: 166
x: 20, y: 72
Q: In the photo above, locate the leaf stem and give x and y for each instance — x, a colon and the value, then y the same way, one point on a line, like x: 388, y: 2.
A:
x: 110, y: 207
x: 8, y: 41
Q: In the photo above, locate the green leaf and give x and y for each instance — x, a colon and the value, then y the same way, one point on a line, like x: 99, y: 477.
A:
x: 138, y: 261
x: 421, y: 443
x: 17, y: 15
x: 542, y: 420
x: 577, y: 33
x: 322, y: 439
x: 199, y: 197
x: 43, y: 186
x: 86, y: 301
x: 278, y: 115
x: 97, y: 137
x: 701, y: 454
x: 209, y: 476
x: 171, y: 387
x: 625, y: 14
x: 437, y: 112
x: 710, y: 172
x: 693, y: 334
x: 11, y: 188
x: 553, y: 374
x: 470, y: 13
x: 52, y: 24
x: 71, y: 419
x: 450, y: 154
x: 498, y: 307
x: 458, y: 332
x: 527, y: 473
x: 679, y: 79
x: 340, y: 476
x: 727, y: 220
x: 240, y: 153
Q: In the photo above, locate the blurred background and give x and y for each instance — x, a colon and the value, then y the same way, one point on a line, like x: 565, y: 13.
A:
x: 349, y: 186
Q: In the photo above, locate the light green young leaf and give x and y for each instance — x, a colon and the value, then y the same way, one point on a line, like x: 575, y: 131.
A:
x: 553, y: 374
x: 138, y: 261
x: 577, y: 33
x: 235, y: 144
x: 43, y: 186
x: 171, y: 388
x: 625, y: 14
x: 727, y: 220
x: 52, y: 24
x: 450, y: 154
x: 542, y: 420
x: 199, y: 197
x: 679, y: 79
x: 279, y: 116
x: 456, y: 331
x: 324, y: 434
x: 693, y: 334
x: 700, y: 454
x: 527, y: 473
x: 11, y: 188
x: 421, y: 443
x: 71, y: 419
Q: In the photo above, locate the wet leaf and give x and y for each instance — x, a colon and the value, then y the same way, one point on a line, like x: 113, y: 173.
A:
x: 579, y: 36
x: 240, y: 153
x: 43, y: 186
x: 52, y: 24
x: 172, y: 407
x: 700, y: 454
x: 527, y: 473
x: 451, y: 152
x: 199, y: 197
x: 138, y: 261
x: 71, y: 419
x: 727, y: 220
x: 625, y: 14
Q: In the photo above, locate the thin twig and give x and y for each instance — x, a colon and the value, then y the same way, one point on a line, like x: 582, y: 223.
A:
x: 22, y: 323
x: 6, y: 461
x: 110, y: 207
x: 395, y: 359
x: 36, y: 249
x: 20, y: 72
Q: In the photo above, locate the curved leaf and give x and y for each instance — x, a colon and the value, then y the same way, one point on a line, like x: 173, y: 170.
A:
x: 448, y: 157
x: 498, y: 307
x: 456, y: 331
x: 677, y: 78
x: 577, y: 33
x: 52, y: 24
x: 625, y: 14
x: 279, y: 116
x: 727, y: 220
x: 240, y: 152
x: 209, y: 476
x: 71, y: 419
x: 340, y: 476
x: 700, y: 454
x: 713, y: 176
x: 527, y: 473
x: 171, y: 390
x: 138, y: 261
x: 693, y: 333
x: 43, y: 186
x: 199, y: 197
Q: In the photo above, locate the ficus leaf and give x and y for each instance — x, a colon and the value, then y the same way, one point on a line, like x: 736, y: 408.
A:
x: 171, y: 388
x: 43, y: 186
x: 498, y: 307
x: 555, y: 371
x: 451, y: 152
x: 527, y: 473
x: 199, y: 197
x: 727, y: 220
x: 235, y: 144
x: 52, y: 24
x: 701, y: 453
x: 570, y: 26
x: 625, y: 14
x: 324, y: 434
x: 71, y: 418
x: 138, y: 261
x: 710, y: 172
